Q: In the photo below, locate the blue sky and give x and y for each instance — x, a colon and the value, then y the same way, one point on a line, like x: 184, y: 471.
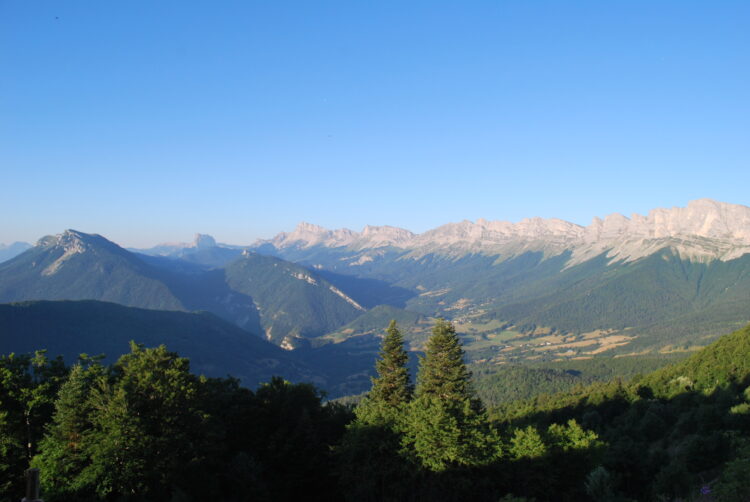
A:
x: 149, y: 121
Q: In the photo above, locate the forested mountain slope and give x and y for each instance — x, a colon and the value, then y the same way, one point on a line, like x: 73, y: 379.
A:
x: 215, y: 347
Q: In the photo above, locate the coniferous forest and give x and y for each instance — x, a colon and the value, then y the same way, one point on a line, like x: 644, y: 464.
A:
x: 145, y: 428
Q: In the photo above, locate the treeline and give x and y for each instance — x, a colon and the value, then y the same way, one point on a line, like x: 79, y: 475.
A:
x: 145, y: 429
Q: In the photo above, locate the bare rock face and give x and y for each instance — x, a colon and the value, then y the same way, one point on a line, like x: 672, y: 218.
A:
x: 550, y: 236
x: 308, y: 235
x: 704, y: 230
x: 375, y: 237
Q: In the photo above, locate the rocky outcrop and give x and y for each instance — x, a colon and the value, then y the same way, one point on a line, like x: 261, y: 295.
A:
x: 704, y: 230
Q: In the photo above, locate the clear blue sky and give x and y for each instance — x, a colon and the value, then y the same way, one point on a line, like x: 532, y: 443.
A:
x: 148, y: 121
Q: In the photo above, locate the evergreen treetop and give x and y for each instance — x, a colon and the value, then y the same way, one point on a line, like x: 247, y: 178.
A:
x: 392, y: 386
x: 442, y: 371
x: 391, y: 389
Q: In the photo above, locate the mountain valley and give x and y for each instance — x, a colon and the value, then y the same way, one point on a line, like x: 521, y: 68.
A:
x: 541, y: 292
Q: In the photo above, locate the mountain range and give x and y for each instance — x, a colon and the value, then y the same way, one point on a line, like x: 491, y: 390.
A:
x: 705, y: 230
x: 540, y: 290
x: 668, y: 280
x: 262, y: 294
x: 204, y: 250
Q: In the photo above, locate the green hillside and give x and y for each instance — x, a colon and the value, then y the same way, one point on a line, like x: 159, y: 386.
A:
x: 294, y: 303
x: 373, y: 321
x: 214, y: 347
x: 655, y: 289
x: 514, y: 382
x: 724, y: 363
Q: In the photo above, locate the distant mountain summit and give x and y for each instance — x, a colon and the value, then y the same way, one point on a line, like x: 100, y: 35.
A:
x: 75, y: 266
x: 204, y: 250
x: 204, y: 241
x: 308, y: 235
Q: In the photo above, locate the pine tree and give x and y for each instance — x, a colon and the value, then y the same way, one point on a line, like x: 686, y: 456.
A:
x: 391, y: 389
x: 446, y: 425
x: 370, y: 466
x: 392, y: 386
x: 442, y: 372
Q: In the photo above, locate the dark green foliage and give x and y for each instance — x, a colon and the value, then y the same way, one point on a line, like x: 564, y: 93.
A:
x: 733, y: 485
x: 668, y: 434
x: 516, y: 382
x: 409, y: 450
x: 144, y: 428
x: 723, y: 363
x: 370, y: 467
x: 292, y: 437
x: 28, y: 386
x: 63, y: 450
x: 370, y: 464
x: 442, y: 371
x: 215, y: 347
x: 147, y: 429
x: 497, y: 385
x: 445, y: 425
x: 445, y: 433
x: 392, y: 386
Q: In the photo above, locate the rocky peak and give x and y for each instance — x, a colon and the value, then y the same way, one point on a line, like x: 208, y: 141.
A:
x: 66, y: 245
x: 701, y: 218
x: 203, y: 241
x: 685, y: 229
x: 704, y: 230
x: 69, y: 240
x: 378, y: 236
x: 488, y: 235
x: 308, y: 235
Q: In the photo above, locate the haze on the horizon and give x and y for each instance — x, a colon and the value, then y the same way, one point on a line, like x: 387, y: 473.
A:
x: 148, y: 122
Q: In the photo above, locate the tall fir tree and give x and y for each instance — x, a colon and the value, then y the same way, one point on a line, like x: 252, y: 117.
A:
x: 442, y: 371
x: 370, y: 465
x: 446, y: 425
x: 391, y: 389
x: 392, y: 386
